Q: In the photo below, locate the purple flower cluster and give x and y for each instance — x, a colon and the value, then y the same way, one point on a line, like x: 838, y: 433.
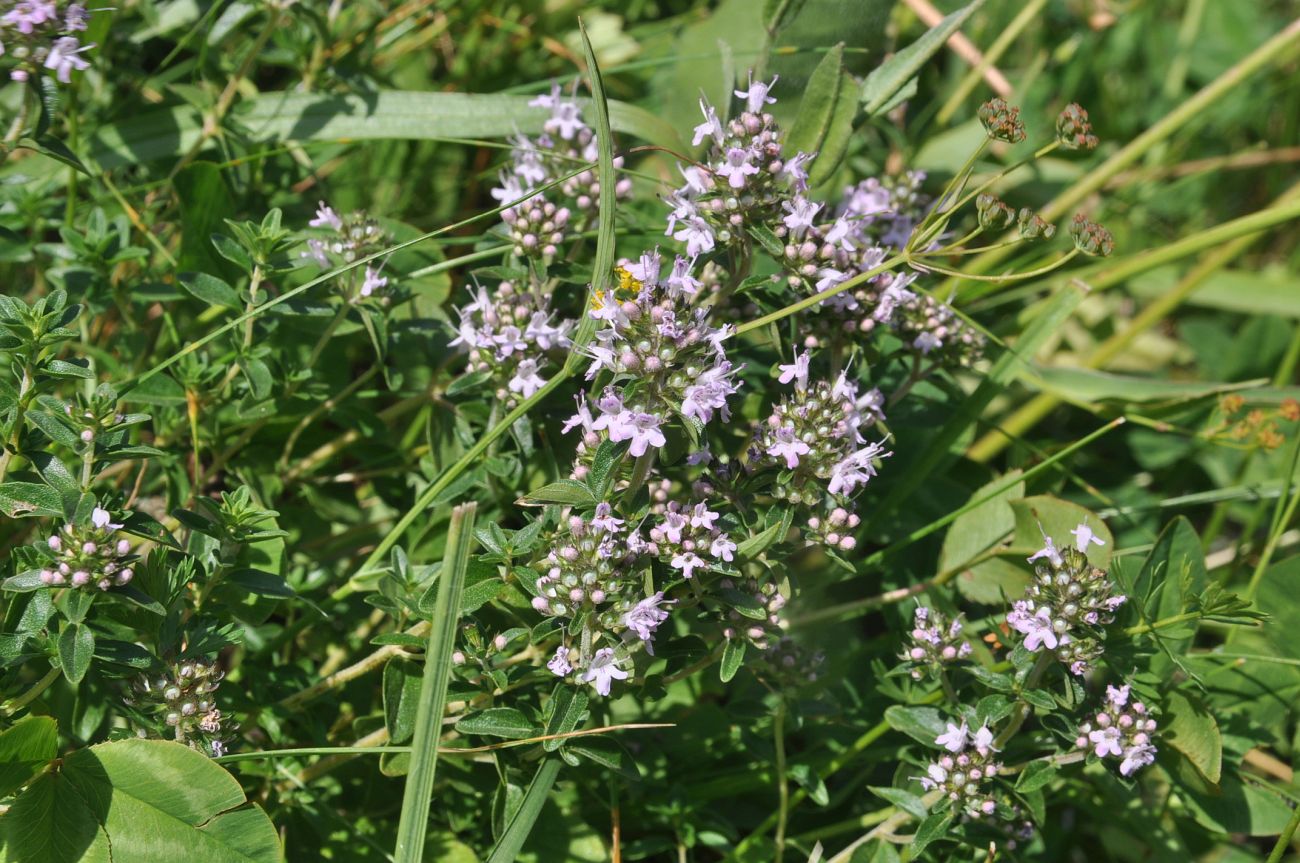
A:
x: 874, y: 219
x: 1066, y: 603
x: 511, y: 334
x: 815, y: 438
x: 89, y: 556
x: 1123, y: 729
x: 42, y: 34
x: 962, y: 774
x: 688, y: 538
x: 935, y: 643
x: 660, y: 345
x: 592, y: 572
x: 345, y: 241
x: 538, y: 226
x: 743, y: 179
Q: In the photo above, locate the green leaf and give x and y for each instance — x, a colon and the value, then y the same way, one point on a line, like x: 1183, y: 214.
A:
x: 148, y: 800
x: 26, y: 499
x: 1238, y: 807
x: 376, y: 115
x: 567, y: 706
x: 76, y: 649
x: 25, y: 749
x: 1086, y: 386
x: 811, y: 781
x: 568, y: 492
x: 504, y: 722
x: 824, y: 123
x: 414, y: 819
x: 516, y: 833
x: 1190, y: 728
x: 733, y: 656
x: 1036, y: 775
x: 933, y: 828
x: 892, y: 75
x: 209, y: 289
x: 401, y: 699
x: 605, y: 751
x: 767, y: 240
x: 1173, y: 572
x: 205, y: 202
x: 922, y: 724
x: 904, y: 800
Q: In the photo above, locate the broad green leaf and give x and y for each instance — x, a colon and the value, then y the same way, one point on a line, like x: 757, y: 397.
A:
x: 1087, y: 386
x: 147, y: 800
x: 205, y: 202
x: 824, y: 123
x: 24, y: 499
x: 76, y: 649
x: 25, y: 749
x: 567, y: 706
x: 1238, y: 807
x: 401, y: 699
x: 712, y: 56
x: 567, y: 492
x: 504, y: 722
x: 385, y: 114
x: 733, y: 656
x: 1270, y: 292
x: 209, y: 289
x: 606, y: 752
x: 923, y: 724
x: 1036, y: 775
x: 934, y: 827
x: 1173, y: 572
x: 904, y: 800
x: 1191, y: 729
x: 892, y: 75
x: 983, y: 527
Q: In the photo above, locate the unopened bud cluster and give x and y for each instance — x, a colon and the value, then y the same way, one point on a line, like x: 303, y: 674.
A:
x: 536, y: 227
x: 786, y: 664
x: 934, y: 643
x: 1066, y: 602
x: 92, y: 556
x: 350, y: 239
x: 182, y: 698
x: 1002, y: 121
x: 835, y: 529
x: 510, y: 335
x: 1123, y: 729
x: 1090, y: 237
x: 761, y: 624
x: 590, y: 568
x: 1073, y: 129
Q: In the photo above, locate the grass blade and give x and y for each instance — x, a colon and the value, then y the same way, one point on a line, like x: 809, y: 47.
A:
x: 414, y: 819
x: 516, y: 833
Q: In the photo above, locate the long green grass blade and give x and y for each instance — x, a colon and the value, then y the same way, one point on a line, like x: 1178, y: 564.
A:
x: 516, y: 833
x: 414, y: 819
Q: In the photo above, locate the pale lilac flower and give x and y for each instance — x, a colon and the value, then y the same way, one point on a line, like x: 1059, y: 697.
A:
x: 582, y: 418
x: 526, y: 380
x: 605, y: 520
x: 559, y: 663
x: 983, y: 740
x: 326, y: 217
x: 757, y: 95
x: 64, y: 57
x: 509, y: 340
x: 723, y: 548
x: 703, y: 517
x: 1083, y: 537
x: 680, y: 280
x: 796, y: 371
x: 1048, y: 550
x: 802, y: 212
x: 935, y: 774
x: 29, y: 14
x: 1106, y: 741
x: 684, y: 209
x: 839, y: 234
x: 372, y: 282
x: 566, y: 120
x: 894, y: 295
x: 1118, y: 697
x: 697, y: 182
x: 1036, y: 627
x: 101, y: 519
x: 646, y: 268
x: 697, y: 235
x: 603, y: 670
x: 829, y: 278
x: 788, y: 447
x: 316, y: 252
x: 545, y: 334
x: 737, y: 166
x: 547, y: 100
x: 640, y: 428
x: 709, y: 393
x: 927, y: 342
x: 1136, y: 757
x: 702, y: 456
x: 795, y: 170
x: 711, y: 127
x: 857, y: 469
x: 645, y: 617
x: 954, y: 739
x: 687, y: 562
x: 510, y: 189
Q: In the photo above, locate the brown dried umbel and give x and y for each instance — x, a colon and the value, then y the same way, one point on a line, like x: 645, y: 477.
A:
x: 1002, y: 121
x: 1073, y: 129
x: 1090, y: 237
